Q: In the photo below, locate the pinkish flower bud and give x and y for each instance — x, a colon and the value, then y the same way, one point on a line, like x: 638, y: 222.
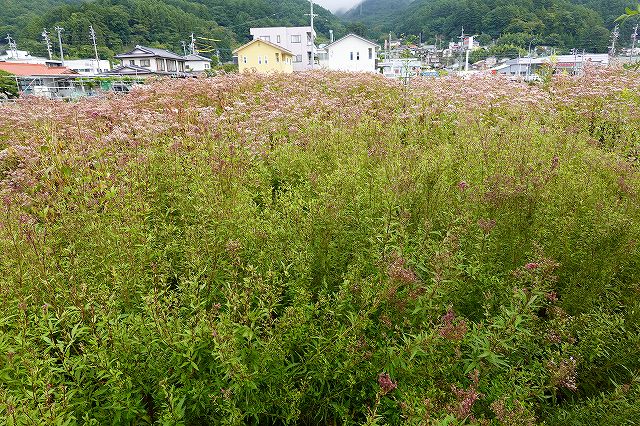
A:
x: 385, y: 382
x: 462, y: 185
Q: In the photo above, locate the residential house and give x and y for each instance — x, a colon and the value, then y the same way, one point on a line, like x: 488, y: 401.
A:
x: 350, y: 53
x: 144, y: 61
x: 263, y: 56
x: 46, y: 81
x: 570, y: 64
x: 297, y: 40
x: 88, y: 67
x: 401, y: 68
x: 197, y: 63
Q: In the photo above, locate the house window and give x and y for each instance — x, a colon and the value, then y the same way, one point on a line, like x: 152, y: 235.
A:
x: 351, y: 55
x: 132, y: 62
x: 160, y: 64
x: 298, y: 58
x: 207, y: 66
x: 181, y: 66
x: 145, y: 63
x: 277, y: 57
x: 266, y: 59
x: 370, y: 53
x: 295, y: 38
x: 309, y: 57
x: 357, y: 56
x: 244, y: 59
x: 278, y: 38
x: 172, y: 66
x: 259, y: 59
x: 308, y: 39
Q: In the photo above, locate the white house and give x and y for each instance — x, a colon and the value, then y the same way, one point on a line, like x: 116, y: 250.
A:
x: 143, y: 60
x: 88, y: 66
x: 197, y: 63
x: 401, y: 68
x: 350, y: 53
x: 297, y: 40
x: 571, y: 64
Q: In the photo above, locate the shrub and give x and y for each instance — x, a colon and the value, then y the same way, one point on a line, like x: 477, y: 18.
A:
x: 322, y: 248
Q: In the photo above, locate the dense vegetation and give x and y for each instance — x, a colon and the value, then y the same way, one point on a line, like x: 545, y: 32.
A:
x: 8, y: 88
x: 162, y: 23
x: 376, y: 16
x: 581, y: 24
x: 323, y: 249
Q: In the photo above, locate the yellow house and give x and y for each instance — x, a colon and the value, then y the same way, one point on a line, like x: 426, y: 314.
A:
x: 263, y: 56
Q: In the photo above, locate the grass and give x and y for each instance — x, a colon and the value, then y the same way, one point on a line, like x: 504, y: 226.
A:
x: 323, y: 249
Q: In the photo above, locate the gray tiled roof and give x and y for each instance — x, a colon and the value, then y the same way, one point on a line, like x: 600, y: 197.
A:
x: 162, y: 53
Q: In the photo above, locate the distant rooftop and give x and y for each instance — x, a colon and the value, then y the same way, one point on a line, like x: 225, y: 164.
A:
x: 22, y: 70
x: 196, y: 57
x: 144, y: 51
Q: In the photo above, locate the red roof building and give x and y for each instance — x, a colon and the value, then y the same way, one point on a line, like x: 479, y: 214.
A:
x: 34, y: 70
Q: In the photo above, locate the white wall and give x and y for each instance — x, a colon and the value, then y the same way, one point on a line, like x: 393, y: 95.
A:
x: 197, y: 66
x: 343, y: 55
x: 153, y: 64
x: 88, y: 66
x: 282, y: 36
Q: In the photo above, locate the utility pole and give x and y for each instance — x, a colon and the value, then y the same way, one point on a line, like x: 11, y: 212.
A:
x: 614, y: 38
x: 12, y: 46
x: 184, y: 47
x: 313, y: 42
x: 634, y: 39
x: 59, y: 30
x: 192, y: 46
x: 47, y: 42
x: 469, y: 46
x: 530, y: 59
x: 92, y: 33
x: 461, y: 48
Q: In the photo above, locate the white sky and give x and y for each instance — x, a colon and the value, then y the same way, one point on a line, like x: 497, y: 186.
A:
x: 334, y: 5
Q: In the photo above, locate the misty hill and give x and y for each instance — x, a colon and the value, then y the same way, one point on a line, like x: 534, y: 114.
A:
x: 376, y: 11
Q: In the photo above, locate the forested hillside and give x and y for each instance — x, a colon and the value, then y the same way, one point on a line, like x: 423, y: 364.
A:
x: 163, y: 23
x: 376, y: 15
x: 583, y: 24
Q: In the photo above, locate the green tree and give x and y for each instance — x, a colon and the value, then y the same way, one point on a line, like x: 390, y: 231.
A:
x: 8, y: 86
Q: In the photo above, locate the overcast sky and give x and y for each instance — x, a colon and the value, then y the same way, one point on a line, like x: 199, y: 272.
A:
x: 334, y: 5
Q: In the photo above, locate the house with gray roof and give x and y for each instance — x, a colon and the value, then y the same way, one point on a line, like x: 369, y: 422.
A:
x: 143, y: 61
x: 197, y: 63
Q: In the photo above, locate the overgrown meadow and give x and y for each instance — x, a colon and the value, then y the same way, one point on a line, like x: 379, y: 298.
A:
x: 323, y: 249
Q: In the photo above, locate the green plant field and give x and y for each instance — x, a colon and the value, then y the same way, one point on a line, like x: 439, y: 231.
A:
x: 323, y: 249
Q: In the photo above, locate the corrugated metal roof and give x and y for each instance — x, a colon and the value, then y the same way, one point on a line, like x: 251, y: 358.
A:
x: 21, y: 69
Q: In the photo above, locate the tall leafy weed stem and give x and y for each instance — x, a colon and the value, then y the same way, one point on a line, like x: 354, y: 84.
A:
x: 323, y: 248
